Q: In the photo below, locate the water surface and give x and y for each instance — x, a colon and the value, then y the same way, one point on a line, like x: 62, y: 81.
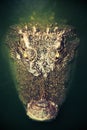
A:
x: 73, y: 113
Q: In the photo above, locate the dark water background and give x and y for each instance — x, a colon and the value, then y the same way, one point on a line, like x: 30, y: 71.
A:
x: 73, y: 113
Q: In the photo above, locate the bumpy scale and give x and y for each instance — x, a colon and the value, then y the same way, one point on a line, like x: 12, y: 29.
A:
x: 45, y: 56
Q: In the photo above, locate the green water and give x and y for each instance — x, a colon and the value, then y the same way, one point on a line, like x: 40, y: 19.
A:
x: 72, y: 115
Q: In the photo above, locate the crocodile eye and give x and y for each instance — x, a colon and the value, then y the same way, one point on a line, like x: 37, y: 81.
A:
x: 31, y: 54
x: 53, y: 54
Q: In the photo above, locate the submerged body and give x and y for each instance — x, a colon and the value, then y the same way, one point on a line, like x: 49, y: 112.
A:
x: 44, y: 57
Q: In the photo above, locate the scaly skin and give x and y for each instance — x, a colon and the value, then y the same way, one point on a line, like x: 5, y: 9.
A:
x: 43, y: 57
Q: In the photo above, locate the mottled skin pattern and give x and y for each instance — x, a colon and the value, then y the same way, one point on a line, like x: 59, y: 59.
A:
x: 44, y: 57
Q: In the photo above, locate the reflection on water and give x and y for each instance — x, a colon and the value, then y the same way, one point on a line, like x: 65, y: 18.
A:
x: 74, y: 109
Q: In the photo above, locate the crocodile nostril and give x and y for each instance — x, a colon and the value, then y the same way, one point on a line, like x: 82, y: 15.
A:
x: 42, y: 110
